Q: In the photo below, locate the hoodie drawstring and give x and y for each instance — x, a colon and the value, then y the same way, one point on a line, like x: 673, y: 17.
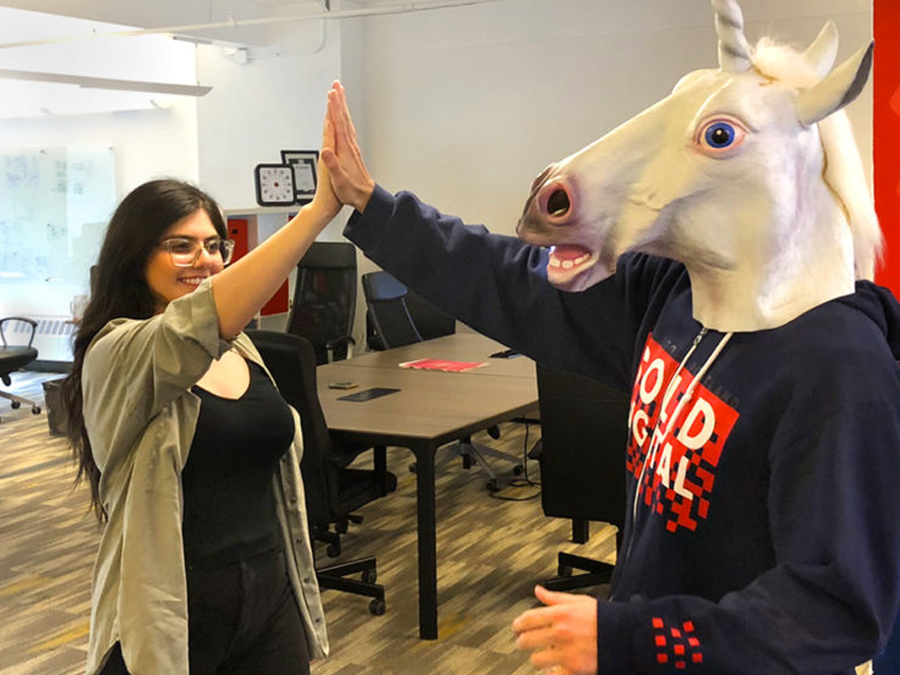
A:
x: 655, y: 439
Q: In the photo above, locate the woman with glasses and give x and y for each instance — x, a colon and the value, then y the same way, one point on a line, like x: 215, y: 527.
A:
x: 205, y: 563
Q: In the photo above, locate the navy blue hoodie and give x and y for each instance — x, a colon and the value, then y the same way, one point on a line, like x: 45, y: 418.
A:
x: 762, y: 532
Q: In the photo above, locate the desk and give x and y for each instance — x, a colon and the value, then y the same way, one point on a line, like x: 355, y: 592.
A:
x: 456, y: 347
x: 431, y: 409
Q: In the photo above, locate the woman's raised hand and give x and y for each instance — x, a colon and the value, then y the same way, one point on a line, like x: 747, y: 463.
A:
x: 325, y: 202
x: 349, y: 178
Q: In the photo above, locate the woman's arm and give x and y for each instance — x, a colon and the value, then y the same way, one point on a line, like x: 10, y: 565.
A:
x: 244, y: 287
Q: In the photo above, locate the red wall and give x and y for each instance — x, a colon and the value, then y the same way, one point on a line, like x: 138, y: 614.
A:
x: 886, y: 104
x: 244, y: 233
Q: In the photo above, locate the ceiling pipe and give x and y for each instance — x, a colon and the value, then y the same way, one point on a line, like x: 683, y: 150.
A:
x: 403, y: 8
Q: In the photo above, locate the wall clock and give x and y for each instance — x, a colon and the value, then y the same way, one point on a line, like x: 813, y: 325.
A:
x: 274, y: 184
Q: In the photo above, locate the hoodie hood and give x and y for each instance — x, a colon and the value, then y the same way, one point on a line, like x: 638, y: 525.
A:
x: 879, y: 304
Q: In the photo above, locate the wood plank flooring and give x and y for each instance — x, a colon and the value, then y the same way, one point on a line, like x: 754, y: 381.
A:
x: 490, y: 553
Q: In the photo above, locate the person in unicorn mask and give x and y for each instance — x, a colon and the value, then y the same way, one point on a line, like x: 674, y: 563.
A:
x: 733, y: 298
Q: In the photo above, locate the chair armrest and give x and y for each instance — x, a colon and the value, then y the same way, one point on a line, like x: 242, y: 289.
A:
x: 338, y: 341
x: 31, y: 322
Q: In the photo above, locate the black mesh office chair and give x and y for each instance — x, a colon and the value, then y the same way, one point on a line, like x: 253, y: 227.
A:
x: 393, y: 326
x: 333, y: 491
x: 325, y: 300
x: 16, y: 357
x: 584, y: 430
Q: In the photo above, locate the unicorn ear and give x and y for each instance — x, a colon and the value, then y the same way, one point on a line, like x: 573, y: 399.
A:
x: 823, y: 50
x: 837, y: 89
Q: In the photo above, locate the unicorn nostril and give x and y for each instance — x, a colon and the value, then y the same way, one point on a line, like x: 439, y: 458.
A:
x: 558, y: 203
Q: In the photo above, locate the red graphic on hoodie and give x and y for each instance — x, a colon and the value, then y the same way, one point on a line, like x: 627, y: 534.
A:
x: 678, y: 646
x: 679, y: 434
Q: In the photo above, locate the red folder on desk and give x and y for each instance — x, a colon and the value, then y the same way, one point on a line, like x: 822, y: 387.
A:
x: 442, y: 364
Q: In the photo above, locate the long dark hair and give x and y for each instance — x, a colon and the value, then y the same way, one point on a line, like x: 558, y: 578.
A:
x: 120, y: 290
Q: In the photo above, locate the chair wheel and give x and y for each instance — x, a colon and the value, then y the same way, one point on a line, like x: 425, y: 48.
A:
x: 492, y: 485
x: 341, y: 527
x: 333, y: 550
x: 518, y: 470
x: 377, y: 607
x: 413, y: 468
x: 15, y: 405
x: 370, y: 576
x: 36, y: 410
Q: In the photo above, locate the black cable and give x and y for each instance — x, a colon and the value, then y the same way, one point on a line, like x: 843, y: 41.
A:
x: 521, y: 482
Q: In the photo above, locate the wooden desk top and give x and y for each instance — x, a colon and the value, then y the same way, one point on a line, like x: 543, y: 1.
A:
x: 430, y: 405
x: 456, y: 347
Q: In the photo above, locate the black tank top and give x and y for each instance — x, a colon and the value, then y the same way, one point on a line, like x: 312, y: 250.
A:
x: 229, y: 502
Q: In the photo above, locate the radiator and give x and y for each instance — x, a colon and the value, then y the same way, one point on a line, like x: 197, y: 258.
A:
x: 52, y: 339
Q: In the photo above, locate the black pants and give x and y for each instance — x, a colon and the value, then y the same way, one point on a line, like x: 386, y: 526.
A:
x: 242, y: 620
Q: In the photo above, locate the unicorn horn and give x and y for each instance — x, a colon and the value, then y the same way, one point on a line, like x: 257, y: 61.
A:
x: 734, y: 52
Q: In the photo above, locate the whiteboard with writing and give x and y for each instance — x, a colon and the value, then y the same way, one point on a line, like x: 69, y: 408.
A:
x: 55, y: 204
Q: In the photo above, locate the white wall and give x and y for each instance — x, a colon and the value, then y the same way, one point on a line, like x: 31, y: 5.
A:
x: 273, y: 102
x: 465, y: 106
x: 146, y: 143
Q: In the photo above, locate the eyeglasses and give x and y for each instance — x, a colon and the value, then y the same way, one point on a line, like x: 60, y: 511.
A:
x: 184, y: 251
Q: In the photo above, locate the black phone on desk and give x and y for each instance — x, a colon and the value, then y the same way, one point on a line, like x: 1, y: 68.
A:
x: 368, y: 394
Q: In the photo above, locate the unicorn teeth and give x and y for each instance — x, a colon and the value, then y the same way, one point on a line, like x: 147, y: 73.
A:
x: 568, y: 264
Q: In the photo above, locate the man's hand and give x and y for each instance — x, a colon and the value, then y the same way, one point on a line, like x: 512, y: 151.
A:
x: 562, y: 635
x: 349, y: 178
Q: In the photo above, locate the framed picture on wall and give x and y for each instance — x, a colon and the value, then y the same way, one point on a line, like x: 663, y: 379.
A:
x: 305, y: 178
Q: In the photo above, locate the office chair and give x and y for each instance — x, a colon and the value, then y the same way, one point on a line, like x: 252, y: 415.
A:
x: 332, y: 489
x: 325, y: 300
x: 16, y: 357
x: 584, y: 431
x: 389, y: 315
x: 429, y: 322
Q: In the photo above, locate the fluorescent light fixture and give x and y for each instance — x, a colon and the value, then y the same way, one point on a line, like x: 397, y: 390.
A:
x: 106, y: 83
x: 23, y: 99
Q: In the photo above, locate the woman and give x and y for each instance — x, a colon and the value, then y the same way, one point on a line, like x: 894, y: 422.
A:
x: 192, y: 456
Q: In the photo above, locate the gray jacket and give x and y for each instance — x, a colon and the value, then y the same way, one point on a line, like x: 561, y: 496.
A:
x: 141, y: 415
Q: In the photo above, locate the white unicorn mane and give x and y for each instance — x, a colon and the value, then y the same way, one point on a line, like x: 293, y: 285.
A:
x: 844, y: 173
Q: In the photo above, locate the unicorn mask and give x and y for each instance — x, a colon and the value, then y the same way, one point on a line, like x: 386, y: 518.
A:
x: 747, y: 174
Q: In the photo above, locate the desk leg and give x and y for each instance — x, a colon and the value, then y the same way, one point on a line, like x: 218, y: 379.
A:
x: 425, y: 511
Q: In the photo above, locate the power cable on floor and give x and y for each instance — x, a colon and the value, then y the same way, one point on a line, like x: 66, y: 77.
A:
x: 525, y: 481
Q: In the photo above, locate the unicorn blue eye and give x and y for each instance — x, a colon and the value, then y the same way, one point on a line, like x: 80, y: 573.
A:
x: 720, y: 138
x: 720, y: 135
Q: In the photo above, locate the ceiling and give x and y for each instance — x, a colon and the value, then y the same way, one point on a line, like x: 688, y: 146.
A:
x: 195, y: 13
